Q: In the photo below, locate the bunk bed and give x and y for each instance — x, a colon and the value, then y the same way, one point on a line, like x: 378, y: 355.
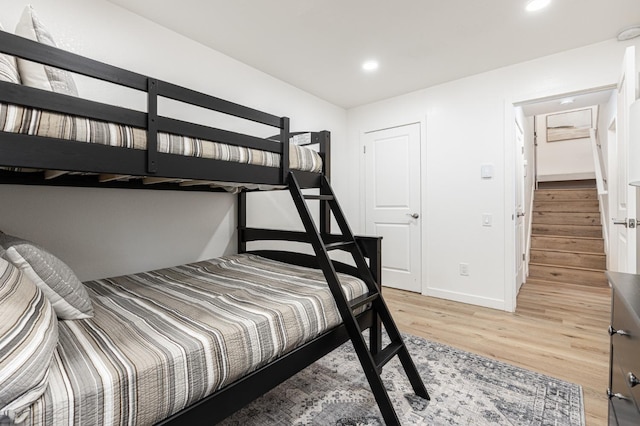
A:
x: 214, y: 322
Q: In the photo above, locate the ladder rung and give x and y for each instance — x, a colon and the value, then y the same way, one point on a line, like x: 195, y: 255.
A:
x: 363, y: 300
x: 385, y: 355
x: 338, y: 245
x: 318, y: 197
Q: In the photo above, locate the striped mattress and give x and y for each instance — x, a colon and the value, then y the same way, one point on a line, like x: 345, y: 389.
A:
x: 161, y: 340
x: 31, y: 121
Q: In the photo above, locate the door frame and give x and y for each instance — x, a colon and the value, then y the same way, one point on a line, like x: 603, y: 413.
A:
x: 629, y: 77
x: 388, y: 124
x: 520, y: 185
x: 612, y: 199
x: 511, y: 288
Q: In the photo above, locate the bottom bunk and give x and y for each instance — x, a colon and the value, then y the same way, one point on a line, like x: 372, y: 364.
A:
x: 161, y: 342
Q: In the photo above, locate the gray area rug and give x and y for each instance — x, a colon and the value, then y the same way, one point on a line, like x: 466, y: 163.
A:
x: 465, y: 389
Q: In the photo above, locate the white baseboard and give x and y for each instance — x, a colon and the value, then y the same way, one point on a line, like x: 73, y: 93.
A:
x: 465, y: 298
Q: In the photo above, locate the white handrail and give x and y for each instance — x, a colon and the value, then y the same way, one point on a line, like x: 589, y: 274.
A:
x: 602, y: 189
x: 596, y: 162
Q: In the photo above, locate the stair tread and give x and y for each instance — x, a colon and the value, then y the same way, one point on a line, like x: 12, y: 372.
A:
x: 567, y: 200
x: 566, y: 189
x: 566, y: 237
x: 533, y: 280
x: 570, y: 225
x: 592, y: 231
x: 590, y: 253
x: 566, y: 267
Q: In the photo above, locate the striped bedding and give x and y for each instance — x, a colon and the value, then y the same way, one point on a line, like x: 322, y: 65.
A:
x: 161, y: 340
x: 31, y: 121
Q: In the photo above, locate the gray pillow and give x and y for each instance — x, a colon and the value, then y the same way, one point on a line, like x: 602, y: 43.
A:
x: 59, y: 283
x: 28, y: 338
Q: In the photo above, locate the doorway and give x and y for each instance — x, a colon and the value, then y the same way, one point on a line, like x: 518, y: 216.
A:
x: 527, y: 115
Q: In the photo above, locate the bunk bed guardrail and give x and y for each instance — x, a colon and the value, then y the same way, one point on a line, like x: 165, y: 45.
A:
x: 65, y: 154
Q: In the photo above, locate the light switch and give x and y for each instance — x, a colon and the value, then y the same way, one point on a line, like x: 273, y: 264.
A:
x: 486, y: 171
x: 487, y: 219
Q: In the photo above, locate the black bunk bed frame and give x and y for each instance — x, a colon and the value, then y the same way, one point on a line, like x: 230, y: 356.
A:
x: 24, y: 151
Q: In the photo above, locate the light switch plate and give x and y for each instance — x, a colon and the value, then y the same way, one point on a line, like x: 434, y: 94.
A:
x: 486, y: 171
x: 487, y: 219
x: 464, y: 269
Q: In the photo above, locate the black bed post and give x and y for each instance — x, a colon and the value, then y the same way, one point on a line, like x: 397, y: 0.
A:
x: 325, y: 153
x: 375, y: 265
x: 372, y: 248
x: 152, y: 125
x: 284, y: 139
x: 242, y: 221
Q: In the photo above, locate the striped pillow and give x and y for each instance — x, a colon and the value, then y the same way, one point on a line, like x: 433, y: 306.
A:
x: 28, y: 338
x: 59, y: 283
x: 8, y: 67
x: 37, y: 75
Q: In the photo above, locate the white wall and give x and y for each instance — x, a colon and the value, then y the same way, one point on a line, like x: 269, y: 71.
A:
x: 469, y: 122
x: 570, y: 159
x: 105, y: 232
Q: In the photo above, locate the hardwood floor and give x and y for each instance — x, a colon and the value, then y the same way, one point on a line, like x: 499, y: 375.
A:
x: 557, y: 329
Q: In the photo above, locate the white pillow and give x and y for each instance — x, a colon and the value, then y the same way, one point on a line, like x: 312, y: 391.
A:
x: 8, y: 67
x: 28, y: 339
x: 37, y: 75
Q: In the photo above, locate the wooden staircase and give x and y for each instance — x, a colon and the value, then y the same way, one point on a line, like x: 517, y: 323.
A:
x: 566, y: 237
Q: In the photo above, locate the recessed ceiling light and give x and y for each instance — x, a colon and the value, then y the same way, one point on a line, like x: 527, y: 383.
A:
x: 567, y: 101
x: 534, y: 5
x: 370, y: 66
x: 629, y: 33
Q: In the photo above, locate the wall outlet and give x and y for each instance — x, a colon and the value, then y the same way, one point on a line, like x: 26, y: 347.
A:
x: 464, y: 269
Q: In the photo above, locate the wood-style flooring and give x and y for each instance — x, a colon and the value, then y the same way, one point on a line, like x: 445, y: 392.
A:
x: 557, y: 329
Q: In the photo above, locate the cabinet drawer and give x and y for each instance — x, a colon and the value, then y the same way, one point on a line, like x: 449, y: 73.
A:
x: 613, y: 421
x: 628, y: 363
x: 626, y: 411
x: 625, y: 346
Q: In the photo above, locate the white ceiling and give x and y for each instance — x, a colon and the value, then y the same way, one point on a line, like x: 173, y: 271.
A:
x: 318, y: 46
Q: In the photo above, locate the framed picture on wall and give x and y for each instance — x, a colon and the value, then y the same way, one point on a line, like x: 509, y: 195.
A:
x: 568, y: 125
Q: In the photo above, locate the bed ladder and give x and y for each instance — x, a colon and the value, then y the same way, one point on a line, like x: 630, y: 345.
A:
x: 372, y: 359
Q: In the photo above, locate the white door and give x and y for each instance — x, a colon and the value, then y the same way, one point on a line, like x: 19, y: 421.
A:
x: 624, y: 196
x: 392, y: 167
x: 520, y: 206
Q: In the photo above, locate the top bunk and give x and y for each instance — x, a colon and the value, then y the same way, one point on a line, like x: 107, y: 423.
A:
x: 49, y: 137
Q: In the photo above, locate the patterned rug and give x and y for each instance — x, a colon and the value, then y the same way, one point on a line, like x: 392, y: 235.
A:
x: 465, y: 389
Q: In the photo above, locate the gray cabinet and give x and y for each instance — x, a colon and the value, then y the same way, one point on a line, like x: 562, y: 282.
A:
x: 624, y: 367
